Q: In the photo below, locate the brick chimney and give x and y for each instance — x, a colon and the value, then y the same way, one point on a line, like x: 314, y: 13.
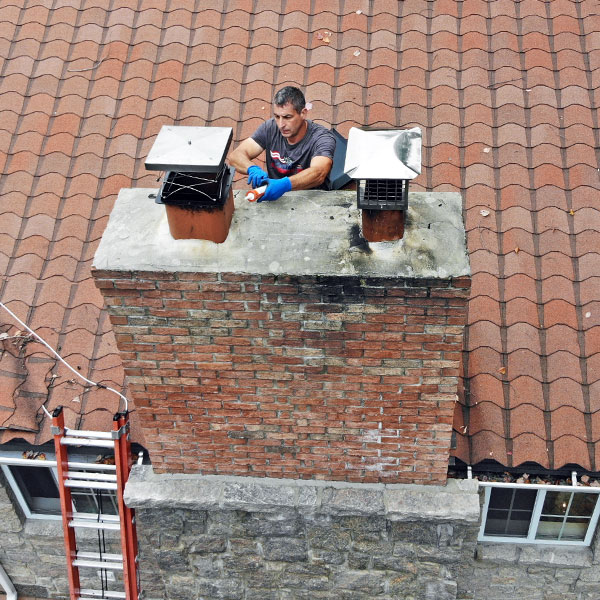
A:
x: 295, y: 349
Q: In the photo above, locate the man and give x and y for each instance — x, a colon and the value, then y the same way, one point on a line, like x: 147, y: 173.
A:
x: 299, y: 153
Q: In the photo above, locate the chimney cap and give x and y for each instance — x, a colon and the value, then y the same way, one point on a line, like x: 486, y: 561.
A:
x: 189, y: 149
x: 383, y: 153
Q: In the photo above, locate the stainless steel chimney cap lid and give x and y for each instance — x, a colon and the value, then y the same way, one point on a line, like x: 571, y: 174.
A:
x: 383, y: 153
x: 189, y: 149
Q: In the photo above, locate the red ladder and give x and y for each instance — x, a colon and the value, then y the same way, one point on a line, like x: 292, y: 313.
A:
x: 118, y: 474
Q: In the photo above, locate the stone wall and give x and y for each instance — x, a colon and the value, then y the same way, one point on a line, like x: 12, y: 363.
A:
x: 244, y: 539
x: 233, y: 538
x: 209, y: 538
x: 32, y: 551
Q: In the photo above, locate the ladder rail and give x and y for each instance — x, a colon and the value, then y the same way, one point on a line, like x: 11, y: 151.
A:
x: 128, y: 532
x: 66, y: 503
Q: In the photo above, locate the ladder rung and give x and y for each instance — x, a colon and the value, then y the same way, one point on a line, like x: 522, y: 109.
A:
x: 77, y: 441
x: 73, y: 483
x: 92, y: 435
x: 91, y: 466
x: 100, y: 594
x: 91, y: 476
x: 97, y: 517
x: 95, y: 525
x: 98, y: 556
x: 97, y: 564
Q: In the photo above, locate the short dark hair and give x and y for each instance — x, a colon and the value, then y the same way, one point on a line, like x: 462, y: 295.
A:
x: 292, y: 95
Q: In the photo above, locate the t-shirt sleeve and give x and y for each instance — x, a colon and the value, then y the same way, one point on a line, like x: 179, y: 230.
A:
x: 324, y: 145
x: 261, y: 135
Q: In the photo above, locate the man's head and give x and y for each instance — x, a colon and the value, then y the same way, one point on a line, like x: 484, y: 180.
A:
x: 289, y: 112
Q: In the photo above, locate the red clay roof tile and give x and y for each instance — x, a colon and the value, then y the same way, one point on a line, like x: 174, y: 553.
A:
x: 530, y: 447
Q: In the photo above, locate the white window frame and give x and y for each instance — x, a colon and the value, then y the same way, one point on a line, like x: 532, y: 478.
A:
x: 537, y: 513
x: 10, y: 458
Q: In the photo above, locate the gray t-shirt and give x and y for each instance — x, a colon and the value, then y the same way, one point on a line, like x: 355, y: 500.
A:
x: 284, y: 159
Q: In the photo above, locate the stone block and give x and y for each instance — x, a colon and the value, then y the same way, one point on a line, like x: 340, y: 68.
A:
x: 555, y: 556
x: 239, y: 564
x: 497, y: 553
x: 357, y: 581
x: 385, y: 562
x: 206, y: 567
x: 372, y: 547
x: 145, y: 489
x: 368, y: 528
x: 171, y: 562
x: 207, y: 544
x: 330, y: 538
x: 358, y: 561
x: 182, y: 588
x: 435, y: 554
x: 452, y: 502
x: 223, y: 589
x: 441, y: 590
x: 260, y: 497
x: 305, y: 582
x: 414, y: 532
x: 352, y: 501
x: 262, y: 594
x: 285, y: 549
x: 587, y: 591
x: 322, y: 556
x: 589, y: 575
x: 282, y: 523
x: 226, y: 522
x: 242, y: 546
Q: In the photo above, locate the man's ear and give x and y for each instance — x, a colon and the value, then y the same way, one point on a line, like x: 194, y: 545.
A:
x: 304, y: 112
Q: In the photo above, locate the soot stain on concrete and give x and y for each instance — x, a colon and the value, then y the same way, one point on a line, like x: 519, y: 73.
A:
x: 357, y: 240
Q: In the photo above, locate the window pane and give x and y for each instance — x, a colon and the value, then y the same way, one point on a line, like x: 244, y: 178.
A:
x: 556, y: 503
x: 495, y: 523
x: 38, y: 481
x: 524, y: 499
x: 38, y: 487
x: 518, y: 524
x: 501, y: 497
x: 509, y: 512
x: 583, y: 504
x: 92, y: 501
x: 549, y: 528
x: 575, y: 529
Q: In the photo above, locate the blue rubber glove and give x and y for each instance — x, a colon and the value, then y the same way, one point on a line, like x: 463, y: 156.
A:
x: 256, y: 176
x: 276, y: 188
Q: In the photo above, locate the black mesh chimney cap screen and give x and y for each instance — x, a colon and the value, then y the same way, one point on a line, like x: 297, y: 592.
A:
x: 193, y: 159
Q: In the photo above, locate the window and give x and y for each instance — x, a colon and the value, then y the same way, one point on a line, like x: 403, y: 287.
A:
x: 539, y: 515
x: 36, y: 490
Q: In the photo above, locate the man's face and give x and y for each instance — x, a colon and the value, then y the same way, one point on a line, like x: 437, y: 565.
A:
x: 290, y: 122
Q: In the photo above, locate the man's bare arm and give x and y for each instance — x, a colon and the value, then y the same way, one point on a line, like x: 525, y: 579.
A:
x: 314, y: 176
x: 241, y: 158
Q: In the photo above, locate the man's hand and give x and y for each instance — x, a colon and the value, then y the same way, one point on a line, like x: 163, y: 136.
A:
x: 256, y: 176
x: 276, y: 188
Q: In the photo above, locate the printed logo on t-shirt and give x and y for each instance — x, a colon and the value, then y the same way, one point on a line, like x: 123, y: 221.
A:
x: 283, y: 164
